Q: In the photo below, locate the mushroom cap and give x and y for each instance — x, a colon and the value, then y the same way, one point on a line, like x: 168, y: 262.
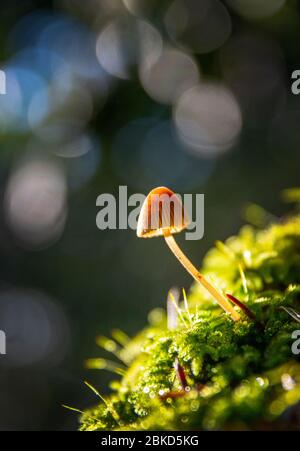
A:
x: 162, y: 213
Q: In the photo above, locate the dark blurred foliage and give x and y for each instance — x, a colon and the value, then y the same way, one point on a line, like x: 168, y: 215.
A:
x: 98, y: 93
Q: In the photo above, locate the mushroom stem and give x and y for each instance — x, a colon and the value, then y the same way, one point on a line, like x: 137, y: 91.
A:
x: 222, y: 301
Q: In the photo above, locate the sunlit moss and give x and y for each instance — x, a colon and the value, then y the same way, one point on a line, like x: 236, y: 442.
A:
x: 240, y: 375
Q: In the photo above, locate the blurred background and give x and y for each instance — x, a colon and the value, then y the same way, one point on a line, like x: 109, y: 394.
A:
x: 192, y: 94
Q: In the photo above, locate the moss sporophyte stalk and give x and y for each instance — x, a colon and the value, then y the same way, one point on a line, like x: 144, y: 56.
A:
x: 201, y: 367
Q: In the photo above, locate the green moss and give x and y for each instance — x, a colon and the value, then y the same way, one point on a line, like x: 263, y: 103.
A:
x: 241, y: 374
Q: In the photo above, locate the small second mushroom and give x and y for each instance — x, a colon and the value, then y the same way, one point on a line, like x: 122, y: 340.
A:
x: 163, y: 214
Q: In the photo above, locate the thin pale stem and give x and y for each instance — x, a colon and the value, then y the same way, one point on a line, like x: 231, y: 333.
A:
x: 219, y: 297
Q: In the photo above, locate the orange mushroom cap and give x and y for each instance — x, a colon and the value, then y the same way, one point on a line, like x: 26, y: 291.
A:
x: 162, y: 213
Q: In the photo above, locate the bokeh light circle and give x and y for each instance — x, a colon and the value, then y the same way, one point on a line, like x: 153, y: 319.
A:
x: 36, y: 329
x: 35, y: 203
x: 152, y: 149
x: 208, y: 118
x: 170, y: 75
x: 125, y: 43
x: 199, y: 27
x: 256, y: 9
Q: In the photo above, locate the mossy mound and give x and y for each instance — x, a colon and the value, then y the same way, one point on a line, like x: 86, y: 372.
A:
x: 239, y: 375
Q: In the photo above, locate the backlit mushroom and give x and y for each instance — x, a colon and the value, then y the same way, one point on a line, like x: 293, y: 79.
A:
x: 163, y: 214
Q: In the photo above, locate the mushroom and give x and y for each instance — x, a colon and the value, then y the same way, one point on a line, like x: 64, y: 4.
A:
x: 163, y: 214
